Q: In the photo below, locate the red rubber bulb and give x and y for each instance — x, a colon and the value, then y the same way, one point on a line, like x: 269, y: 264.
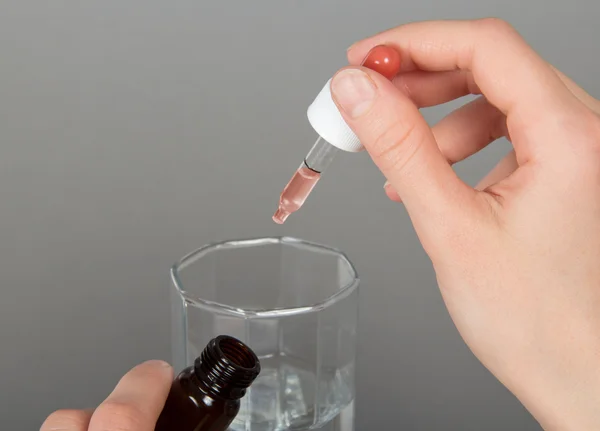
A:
x: 384, y: 60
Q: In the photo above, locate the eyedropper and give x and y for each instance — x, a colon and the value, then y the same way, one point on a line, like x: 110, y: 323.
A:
x: 334, y: 134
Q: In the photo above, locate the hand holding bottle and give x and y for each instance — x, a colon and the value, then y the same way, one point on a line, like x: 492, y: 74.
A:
x: 517, y: 258
x: 134, y: 405
x: 204, y: 397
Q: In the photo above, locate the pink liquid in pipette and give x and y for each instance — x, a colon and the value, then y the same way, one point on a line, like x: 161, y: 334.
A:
x: 295, y: 193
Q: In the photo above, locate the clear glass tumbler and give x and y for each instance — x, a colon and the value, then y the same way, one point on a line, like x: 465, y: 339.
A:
x: 295, y: 304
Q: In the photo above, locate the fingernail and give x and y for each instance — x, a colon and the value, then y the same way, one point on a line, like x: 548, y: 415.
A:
x: 158, y: 363
x: 354, y: 91
x: 391, y: 192
x: 389, y: 188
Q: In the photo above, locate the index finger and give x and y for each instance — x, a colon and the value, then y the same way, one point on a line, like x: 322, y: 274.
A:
x: 137, y: 401
x: 511, y: 75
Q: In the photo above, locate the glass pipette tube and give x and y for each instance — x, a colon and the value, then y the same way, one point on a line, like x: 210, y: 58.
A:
x: 305, y: 179
x: 382, y: 59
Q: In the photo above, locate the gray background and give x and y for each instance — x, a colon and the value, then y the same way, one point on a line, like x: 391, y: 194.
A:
x: 135, y: 131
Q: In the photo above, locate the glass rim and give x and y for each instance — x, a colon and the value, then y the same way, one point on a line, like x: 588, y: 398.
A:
x: 192, y: 257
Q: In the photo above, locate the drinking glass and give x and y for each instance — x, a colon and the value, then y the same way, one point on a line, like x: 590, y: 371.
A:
x: 295, y: 303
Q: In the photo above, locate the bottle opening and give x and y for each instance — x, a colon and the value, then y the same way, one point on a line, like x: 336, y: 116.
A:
x: 236, y: 352
x: 227, y: 366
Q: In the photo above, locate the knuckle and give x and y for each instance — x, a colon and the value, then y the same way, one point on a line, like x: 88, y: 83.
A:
x: 118, y: 416
x: 495, y: 26
x: 492, y: 33
x: 397, y: 146
x: 584, y: 128
x: 577, y: 157
x: 67, y: 420
x: 471, y: 86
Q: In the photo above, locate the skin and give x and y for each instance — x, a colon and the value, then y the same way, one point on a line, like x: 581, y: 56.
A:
x: 516, y: 257
x: 134, y: 404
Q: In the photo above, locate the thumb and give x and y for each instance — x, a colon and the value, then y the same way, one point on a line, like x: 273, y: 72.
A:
x: 402, y: 145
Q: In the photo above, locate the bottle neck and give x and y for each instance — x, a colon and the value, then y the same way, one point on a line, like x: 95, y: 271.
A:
x: 227, y: 367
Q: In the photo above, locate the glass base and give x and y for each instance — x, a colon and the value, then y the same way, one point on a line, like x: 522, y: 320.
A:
x: 285, y: 397
x: 343, y: 421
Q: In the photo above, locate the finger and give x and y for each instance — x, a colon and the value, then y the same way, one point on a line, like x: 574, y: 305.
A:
x: 502, y: 170
x: 68, y: 420
x: 507, y: 71
x: 137, y: 400
x: 464, y: 132
x: 434, y: 88
x: 401, y: 144
x: 469, y: 129
x: 503, y: 65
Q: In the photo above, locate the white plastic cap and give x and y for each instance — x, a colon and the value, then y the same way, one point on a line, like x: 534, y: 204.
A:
x: 324, y: 116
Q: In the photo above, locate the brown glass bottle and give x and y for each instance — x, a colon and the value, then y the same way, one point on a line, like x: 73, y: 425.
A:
x: 206, y: 396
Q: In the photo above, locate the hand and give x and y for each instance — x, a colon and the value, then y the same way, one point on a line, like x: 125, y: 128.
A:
x: 518, y: 257
x: 134, y: 405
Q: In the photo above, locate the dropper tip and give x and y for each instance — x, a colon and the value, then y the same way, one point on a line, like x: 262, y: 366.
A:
x: 280, y: 216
